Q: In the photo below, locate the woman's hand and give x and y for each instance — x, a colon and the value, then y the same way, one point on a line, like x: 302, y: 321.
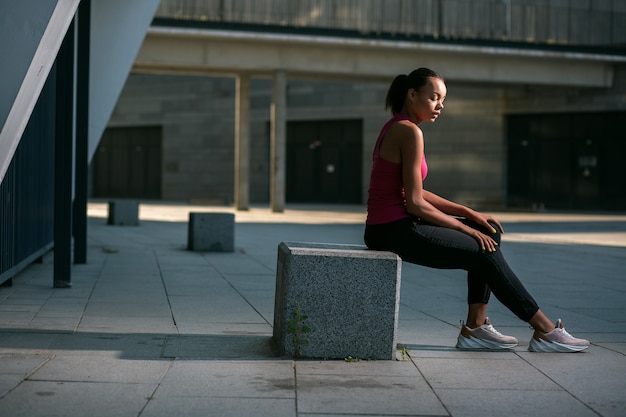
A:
x: 486, y: 242
x: 485, y: 220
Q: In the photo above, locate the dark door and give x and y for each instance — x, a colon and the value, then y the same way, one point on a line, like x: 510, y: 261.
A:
x: 566, y: 161
x: 127, y: 163
x: 324, y: 161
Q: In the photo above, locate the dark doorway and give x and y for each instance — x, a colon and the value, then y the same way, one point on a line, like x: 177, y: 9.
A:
x: 324, y: 161
x: 566, y: 161
x: 127, y: 163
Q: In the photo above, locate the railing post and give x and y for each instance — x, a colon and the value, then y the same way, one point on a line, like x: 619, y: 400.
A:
x: 63, y: 161
x: 82, y: 133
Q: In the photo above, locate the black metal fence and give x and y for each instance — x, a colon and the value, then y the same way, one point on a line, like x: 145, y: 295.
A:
x: 27, y: 191
x: 569, y: 22
x: 43, y: 195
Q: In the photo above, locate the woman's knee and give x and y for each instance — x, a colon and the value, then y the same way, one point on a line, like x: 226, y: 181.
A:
x: 497, y: 236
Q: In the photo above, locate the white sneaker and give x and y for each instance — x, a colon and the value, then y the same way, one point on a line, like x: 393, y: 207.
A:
x: 557, y: 341
x: 484, y: 337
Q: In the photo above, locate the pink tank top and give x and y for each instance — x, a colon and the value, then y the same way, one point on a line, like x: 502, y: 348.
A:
x: 386, y: 201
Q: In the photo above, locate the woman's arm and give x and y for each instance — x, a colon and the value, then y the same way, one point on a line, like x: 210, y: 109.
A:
x: 454, y: 209
x: 424, y: 204
x: 446, y: 206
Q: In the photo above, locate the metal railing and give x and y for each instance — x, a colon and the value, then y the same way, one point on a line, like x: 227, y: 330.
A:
x: 27, y: 192
x: 568, y: 22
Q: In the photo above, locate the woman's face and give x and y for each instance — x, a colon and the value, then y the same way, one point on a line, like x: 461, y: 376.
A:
x: 427, y: 103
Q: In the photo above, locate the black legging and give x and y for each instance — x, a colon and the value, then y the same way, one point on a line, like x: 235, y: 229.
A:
x: 440, y: 247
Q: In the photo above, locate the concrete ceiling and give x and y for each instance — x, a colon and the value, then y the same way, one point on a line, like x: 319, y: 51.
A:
x: 223, y: 52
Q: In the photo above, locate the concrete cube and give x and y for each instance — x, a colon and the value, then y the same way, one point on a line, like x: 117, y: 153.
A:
x: 211, y: 232
x: 334, y: 301
x: 123, y: 213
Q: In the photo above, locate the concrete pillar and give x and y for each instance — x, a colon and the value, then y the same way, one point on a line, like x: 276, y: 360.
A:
x: 242, y: 144
x: 278, y: 142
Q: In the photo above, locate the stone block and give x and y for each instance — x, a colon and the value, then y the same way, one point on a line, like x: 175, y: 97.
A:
x: 211, y: 232
x: 123, y: 213
x: 334, y: 301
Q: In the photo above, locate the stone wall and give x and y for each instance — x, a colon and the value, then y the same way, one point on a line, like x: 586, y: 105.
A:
x: 466, y: 147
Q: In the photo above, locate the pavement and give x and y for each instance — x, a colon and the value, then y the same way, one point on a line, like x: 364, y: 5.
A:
x: 151, y: 329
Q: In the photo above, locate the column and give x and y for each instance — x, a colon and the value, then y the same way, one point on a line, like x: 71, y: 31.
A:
x: 79, y: 225
x: 278, y: 152
x: 63, y: 162
x: 242, y: 143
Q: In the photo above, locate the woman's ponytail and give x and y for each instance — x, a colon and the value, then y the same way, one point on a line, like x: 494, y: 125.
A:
x: 396, y: 93
x: 401, y: 85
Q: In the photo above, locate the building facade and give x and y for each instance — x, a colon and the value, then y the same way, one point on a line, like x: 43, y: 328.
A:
x: 495, y: 146
x: 522, y: 127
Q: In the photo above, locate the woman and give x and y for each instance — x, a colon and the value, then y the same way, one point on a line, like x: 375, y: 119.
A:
x: 425, y: 229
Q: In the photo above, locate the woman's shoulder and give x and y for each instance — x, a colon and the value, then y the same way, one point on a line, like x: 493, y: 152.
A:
x: 404, y: 129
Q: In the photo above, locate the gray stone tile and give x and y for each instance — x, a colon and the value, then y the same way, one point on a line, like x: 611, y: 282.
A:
x: 167, y: 406
x: 253, y: 379
x: 27, y: 309
x: 253, y: 282
x: 427, y: 332
x: 450, y: 352
x: 27, y: 342
x: 155, y: 308
x: 360, y: 368
x: 219, y: 347
x: 225, y: 306
x: 615, y: 347
x: 592, y: 377
x: 235, y: 263
x: 61, y: 308
x: 7, y: 383
x: 74, y: 399
x: 367, y: 415
x: 58, y: 324
x: 231, y: 296
x: 602, y: 338
x: 127, y: 325
x: 16, y: 319
x: 395, y: 395
x: 188, y: 328
x: 146, y: 346
x: 81, y: 368
x: 497, y: 370
x: 476, y: 402
x: 20, y: 364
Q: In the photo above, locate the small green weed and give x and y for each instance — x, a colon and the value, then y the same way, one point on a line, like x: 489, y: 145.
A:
x: 403, y: 351
x: 298, y: 329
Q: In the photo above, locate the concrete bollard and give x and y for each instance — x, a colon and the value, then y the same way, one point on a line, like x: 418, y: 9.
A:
x: 334, y: 301
x: 123, y: 213
x: 211, y: 232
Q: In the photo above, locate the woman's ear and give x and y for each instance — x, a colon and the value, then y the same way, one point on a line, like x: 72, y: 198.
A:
x: 411, y: 95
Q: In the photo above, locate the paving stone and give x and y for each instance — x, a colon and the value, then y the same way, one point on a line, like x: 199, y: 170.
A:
x: 171, y: 405
x: 399, y: 395
x: 121, y: 345
x: 492, y: 370
x: 92, y: 368
x: 252, y: 379
x: 63, y: 399
x: 152, y: 303
x: 476, y: 402
x: 220, y: 347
